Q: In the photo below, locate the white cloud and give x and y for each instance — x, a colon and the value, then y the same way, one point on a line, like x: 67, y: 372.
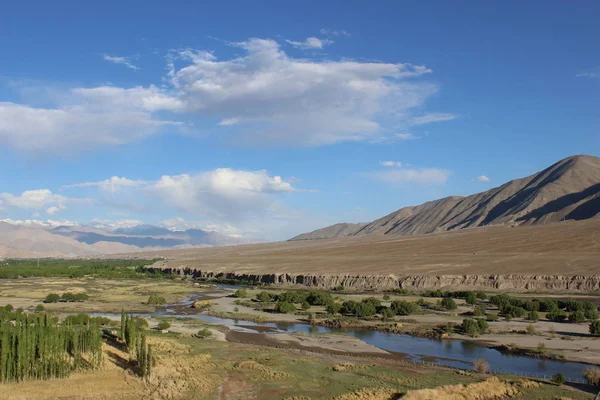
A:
x: 311, y: 43
x: 229, y: 122
x: 416, y: 175
x: 223, y: 193
x: 279, y: 100
x: 433, y: 117
x: 482, y: 178
x: 33, y: 200
x: 114, y: 224
x: 181, y: 224
x: 331, y: 32
x: 589, y: 74
x: 52, y: 210
x: 391, y: 163
x: 34, y: 223
x: 405, y: 136
x: 126, y: 61
x: 110, y: 185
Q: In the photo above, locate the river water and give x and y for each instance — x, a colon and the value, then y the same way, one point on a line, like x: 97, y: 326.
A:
x: 454, y: 353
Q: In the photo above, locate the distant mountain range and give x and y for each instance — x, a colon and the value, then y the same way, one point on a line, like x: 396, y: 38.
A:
x: 73, y: 241
x: 567, y: 190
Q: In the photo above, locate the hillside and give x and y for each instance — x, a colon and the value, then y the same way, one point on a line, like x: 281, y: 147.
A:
x: 333, y: 231
x: 567, y: 190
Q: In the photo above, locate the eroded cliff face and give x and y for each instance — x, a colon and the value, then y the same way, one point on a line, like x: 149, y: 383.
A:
x: 514, y: 283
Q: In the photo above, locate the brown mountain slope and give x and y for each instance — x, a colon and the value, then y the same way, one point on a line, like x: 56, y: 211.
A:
x: 569, y: 189
x: 333, y: 231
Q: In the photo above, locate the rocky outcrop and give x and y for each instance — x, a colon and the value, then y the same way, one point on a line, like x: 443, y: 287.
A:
x: 513, y: 283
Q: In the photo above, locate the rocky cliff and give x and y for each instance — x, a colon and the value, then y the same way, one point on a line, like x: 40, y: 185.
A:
x: 513, y: 283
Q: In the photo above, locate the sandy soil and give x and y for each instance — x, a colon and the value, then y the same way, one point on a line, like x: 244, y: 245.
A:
x: 566, y: 248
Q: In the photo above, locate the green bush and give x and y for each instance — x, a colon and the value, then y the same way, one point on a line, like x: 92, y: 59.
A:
x: 72, y: 297
x: 156, y: 299
x: 592, y: 374
x: 449, y: 304
x: 531, y: 329
x: 533, y: 316
x: 479, y: 311
x: 204, y: 333
x: 8, y: 307
x: 264, y: 297
x: 52, y: 298
x: 471, y: 298
x: 491, y: 317
x: 240, y: 293
x: 162, y: 325
x: 595, y: 327
x: 470, y: 327
x: 557, y: 316
x: 333, y: 308
x: 483, y: 325
x: 140, y: 323
x: 481, y: 295
x: 386, y: 297
x: 39, y: 308
x: 305, y: 305
x: 387, y: 314
x: 577, y: 316
x: 559, y: 379
x: 316, y: 298
x: 591, y: 314
x: 401, y: 307
x: 372, y: 300
x: 284, y: 307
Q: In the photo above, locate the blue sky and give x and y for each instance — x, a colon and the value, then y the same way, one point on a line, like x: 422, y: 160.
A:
x: 268, y: 119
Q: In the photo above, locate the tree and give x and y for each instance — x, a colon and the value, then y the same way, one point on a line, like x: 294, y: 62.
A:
x: 372, y: 300
x: 39, y: 308
x: 449, y: 304
x: 491, y: 317
x: 387, y: 314
x: 557, y: 316
x: 162, y: 325
x: 365, y: 309
x: 471, y: 298
x: 52, y: 298
x: 592, y: 375
x: 481, y: 295
x: 333, y: 308
x: 559, y: 379
x: 317, y: 298
x: 533, y: 316
x: 8, y: 307
x: 595, y: 327
x: 591, y: 314
x: 264, y: 297
x: 401, y: 307
x: 305, y: 305
x: 470, y: 327
x: 479, y: 311
x: 577, y: 316
x: 284, y: 307
x: 483, y: 325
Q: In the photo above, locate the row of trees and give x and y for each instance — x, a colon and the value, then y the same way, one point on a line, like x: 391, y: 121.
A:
x: 134, y: 337
x: 67, y: 297
x: 36, y: 346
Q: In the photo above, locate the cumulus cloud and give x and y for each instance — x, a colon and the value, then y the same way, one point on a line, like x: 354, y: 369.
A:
x: 481, y: 178
x: 283, y: 100
x: 35, y: 223
x: 37, y: 200
x: 413, y: 175
x: 391, y: 163
x: 434, y: 117
x: 311, y: 43
x: 126, y: 61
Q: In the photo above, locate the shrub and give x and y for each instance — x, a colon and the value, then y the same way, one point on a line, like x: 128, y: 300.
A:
x: 284, y: 307
x: 470, y: 327
x: 140, y: 323
x: 532, y: 305
x: 305, y: 305
x: 481, y: 366
x: 531, y: 329
x: 491, y: 317
x: 421, y: 301
x: 162, y: 325
x: 372, y: 300
x: 240, y: 293
x: 548, y: 305
x: 559, y: 379
x: 204, y: 333
x: 471, y: 298
x: 365, y: 309
x: 333, y: 308
x: 533, y: 316
x: 592, y: 374
x: 52, y: 298
x: 339, y: 288
x: 479, y: 311
x: 316, y: 298
x: 591, y: 314
x: 264, y: 297
x: 39, y: 308
x: 387, y: 314
x: 449, y: 304
x: 557, y: 316
x: 386, y: 297
x: 481, y: 295
x: 595, y: 327
x: 293, y: 296
x: 577, y: 316
x: 483, y: 325
x: 541, y: 348
x: 401, y: 307
x: 156, y: 299
x: 9, y: 307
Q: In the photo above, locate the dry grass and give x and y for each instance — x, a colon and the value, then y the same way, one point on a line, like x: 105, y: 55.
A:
x: 492, y: 388
x: 267, y: 373
x: 368, y: 394
x: 541, y: 249
x: 592, y: 374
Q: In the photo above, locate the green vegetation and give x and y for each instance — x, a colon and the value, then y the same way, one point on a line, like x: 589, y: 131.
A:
x: 592, y: 374
x: 479, y: 311
x: 533, y: 316
x: 470, y: 327
x: 39, y: 308
x: 265, y: 297
x: 52, y: 298
x: 595, y: 327
x: 162, y: 325
x: 204, y: 333
x: 50, y: 267
x: 74, y: 297
x: 284, y: 307
x: 85, y: 320
x: 559, y: 379
x: 404, y: 307
x: 448, y: 303
x: 156, y: 299
x: 531, y: 329
x: 240, y: 293
x: 35, y: 346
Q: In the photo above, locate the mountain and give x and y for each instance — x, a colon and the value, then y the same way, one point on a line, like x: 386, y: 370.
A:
x: 567, y: 190
x: 333, y: 231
